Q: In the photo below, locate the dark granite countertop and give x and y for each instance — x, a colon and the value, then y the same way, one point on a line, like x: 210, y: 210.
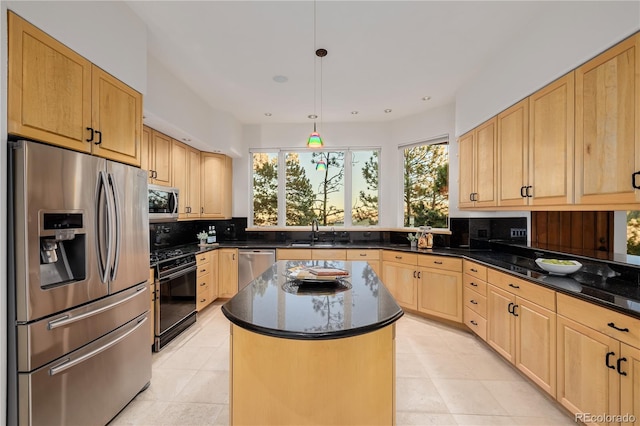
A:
x: 275, y: 306
x: 615, y: 285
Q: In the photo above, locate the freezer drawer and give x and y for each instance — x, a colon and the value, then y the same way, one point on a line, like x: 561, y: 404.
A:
x: 48, y: 339
x: 91, y: 385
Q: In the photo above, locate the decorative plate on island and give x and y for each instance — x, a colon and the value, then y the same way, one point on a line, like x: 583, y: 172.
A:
x: 316, y: 274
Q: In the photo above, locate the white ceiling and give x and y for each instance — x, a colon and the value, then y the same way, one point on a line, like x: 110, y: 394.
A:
x: 382, y: 54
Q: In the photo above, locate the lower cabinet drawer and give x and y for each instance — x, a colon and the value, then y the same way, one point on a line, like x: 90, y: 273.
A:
x: 475, y: 322
x: 475, y: 301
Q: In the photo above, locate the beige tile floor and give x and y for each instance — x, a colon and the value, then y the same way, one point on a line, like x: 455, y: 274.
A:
x: 445, y: 376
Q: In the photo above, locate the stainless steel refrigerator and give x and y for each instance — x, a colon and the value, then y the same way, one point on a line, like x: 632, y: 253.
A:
x: 79, y: 348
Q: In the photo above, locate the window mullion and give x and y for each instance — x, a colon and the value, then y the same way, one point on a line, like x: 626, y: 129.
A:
x: 282, y: 189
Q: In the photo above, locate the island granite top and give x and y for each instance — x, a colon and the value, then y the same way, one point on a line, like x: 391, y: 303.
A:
x: 277, y: 306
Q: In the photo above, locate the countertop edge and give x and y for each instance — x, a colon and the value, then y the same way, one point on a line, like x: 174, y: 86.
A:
x: 283, y: 334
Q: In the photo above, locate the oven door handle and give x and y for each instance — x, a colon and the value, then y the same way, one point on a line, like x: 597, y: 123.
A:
x: 177, y: 274
x: 66, y: 320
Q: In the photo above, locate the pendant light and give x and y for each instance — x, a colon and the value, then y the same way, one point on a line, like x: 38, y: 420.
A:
x: 321, y: 165
x: 315, y: 141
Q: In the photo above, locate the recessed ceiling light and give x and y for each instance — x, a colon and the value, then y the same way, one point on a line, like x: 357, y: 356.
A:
x: 354, y: 112
x: 388, y: 110
x: 186, y: 139
x: 312, y: 116
x: 426, y: 98
x: 268, y: 114
x: 280, y: 79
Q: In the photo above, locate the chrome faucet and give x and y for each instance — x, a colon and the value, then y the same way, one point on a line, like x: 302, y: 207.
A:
x: 314, y: 231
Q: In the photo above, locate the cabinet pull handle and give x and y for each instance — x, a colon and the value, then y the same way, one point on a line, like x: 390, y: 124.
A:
x: 203, y: 284
x: 620, y: 372
x: 522, y: 189
x: 473, y: 284
x: 398, y: 257
x: 633, y: 180
x: 201, y: 210
x: 509, y: 306
x: 471, y: 196
x: 473, y: 270
x: 513, y: 285
x: 203, y: 270
x: 514, y: 310
x: 419, y: 274
x: 613, y: 325
x: 437, y: 262
x: 203, y: 300
x: 473, y: 301
x: 414, y: 274
x: 363, y: 254
x: 528, y: 188
x: 606, y: 360
x: 90, y: 138
x: 474, y: 323
x: 99, y: 141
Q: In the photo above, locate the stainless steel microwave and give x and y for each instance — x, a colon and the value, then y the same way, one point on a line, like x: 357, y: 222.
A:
x: 163, y: 203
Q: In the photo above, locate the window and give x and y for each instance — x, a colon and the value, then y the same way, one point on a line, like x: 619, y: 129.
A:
x: 336, y: 187
x: 633, y: 232
x: 426, y: 183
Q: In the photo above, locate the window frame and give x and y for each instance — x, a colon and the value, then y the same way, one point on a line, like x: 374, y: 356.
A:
x: 437, y: 140
x: 282, y: 180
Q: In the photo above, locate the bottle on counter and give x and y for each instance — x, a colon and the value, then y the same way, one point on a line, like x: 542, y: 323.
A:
x: 213, y: 230
x: 211, y: 237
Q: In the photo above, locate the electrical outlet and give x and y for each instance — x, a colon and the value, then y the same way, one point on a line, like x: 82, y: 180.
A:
x: 518, y: 232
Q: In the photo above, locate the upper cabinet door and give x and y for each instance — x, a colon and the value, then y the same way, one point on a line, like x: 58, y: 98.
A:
x: 607, y: 126
x: 49, y: 88
x: 467, y: 168
x: 486, y: 175
x: 551, y: 119
x: 513, y: 155
x: 117, y: 119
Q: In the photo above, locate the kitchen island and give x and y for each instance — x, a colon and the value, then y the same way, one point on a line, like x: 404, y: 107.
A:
x: 313, y: 353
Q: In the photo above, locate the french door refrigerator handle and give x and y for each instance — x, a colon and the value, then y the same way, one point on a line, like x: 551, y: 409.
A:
x: 117, y: 213
x: 67, y: 364
x: 102, y: 192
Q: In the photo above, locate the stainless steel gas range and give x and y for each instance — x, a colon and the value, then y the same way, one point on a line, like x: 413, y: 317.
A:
x: 175, y: 302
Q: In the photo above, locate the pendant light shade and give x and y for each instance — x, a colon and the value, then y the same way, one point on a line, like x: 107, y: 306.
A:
x: 314, y: 141
x: 321, y: 166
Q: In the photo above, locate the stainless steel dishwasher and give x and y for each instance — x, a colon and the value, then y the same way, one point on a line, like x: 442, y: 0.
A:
x: 252, y: 263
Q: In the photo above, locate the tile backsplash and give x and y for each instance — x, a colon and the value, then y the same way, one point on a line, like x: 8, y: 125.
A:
x: 171, y: 234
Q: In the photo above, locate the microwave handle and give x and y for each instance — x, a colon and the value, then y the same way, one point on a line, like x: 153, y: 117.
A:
x: 174, y: 194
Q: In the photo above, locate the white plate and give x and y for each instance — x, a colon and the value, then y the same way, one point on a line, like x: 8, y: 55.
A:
x: 304, y: 275
x: 570, y: 267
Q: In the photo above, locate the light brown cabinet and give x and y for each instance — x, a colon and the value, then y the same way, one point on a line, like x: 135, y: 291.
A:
x: 372, y: 257
x: 206, y: 279
x: 400, y: 276
x: 56, y: 96
x: 551, y: 143
x: 227, y: 272
x: 607, y: 136
x: 157, y: 149
x: 521, y: 326
x: 598, y: 359
x: 216, y: 194
x: 185, y: 172
x: 474, y: 281
x: 478, y: 178
x: 513, y: 155
x: 440, y: 286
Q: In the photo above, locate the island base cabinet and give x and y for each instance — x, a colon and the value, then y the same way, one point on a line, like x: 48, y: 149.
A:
x: 346, y: 381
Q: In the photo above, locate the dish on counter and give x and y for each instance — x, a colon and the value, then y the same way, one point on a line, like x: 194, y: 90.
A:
x: 559, y: 266
x: 310, y: 274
